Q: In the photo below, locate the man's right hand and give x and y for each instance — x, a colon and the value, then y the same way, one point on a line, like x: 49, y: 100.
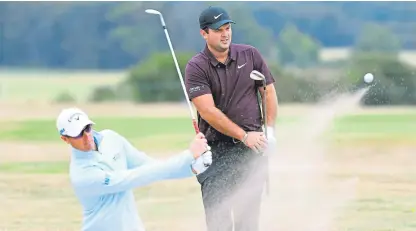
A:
x: 256, y: 141
x: 199, y: 145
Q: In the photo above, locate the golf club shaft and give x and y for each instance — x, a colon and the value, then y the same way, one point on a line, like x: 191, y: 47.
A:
x: 194, y: 122
x: 265, y: 108
x: 264, y: 101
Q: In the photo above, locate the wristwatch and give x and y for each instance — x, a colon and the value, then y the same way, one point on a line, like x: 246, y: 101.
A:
x: 244, y: 138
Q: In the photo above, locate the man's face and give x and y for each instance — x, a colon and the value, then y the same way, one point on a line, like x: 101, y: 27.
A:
x: 220, y: 39
x: 84, y: 141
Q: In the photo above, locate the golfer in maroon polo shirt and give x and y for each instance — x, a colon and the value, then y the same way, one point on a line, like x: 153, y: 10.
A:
x: 218, y: 83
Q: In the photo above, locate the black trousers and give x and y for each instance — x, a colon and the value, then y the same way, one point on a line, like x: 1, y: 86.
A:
x: 232, y: 187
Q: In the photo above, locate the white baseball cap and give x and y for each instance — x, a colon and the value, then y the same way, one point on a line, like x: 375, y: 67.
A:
x: 72, y: 121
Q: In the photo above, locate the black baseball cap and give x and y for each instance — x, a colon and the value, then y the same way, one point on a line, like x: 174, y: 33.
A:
x: 214, y: 17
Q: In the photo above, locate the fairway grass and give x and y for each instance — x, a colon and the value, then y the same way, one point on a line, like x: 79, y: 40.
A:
x: 174, y: 132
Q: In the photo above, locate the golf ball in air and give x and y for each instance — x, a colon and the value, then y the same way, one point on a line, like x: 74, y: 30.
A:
x: 368, y: 78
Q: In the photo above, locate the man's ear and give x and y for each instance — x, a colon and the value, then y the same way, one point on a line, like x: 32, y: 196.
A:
x: 65, y: 139
x: 203, y: 34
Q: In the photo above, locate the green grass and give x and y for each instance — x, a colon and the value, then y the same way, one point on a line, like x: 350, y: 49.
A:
x: 376, y: 127
x: 370, y: 126
x: 171, y: 134
x: 151, y: 134
x: 130, y: 127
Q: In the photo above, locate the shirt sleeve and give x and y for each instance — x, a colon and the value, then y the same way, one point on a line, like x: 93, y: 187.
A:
x: 95, y: 181
x: 261, y: 66
x: 196, y: 81
x: 134, y: 157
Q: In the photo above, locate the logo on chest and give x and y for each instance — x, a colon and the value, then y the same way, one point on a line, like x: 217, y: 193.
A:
x: 241, y: 66
x: 116, y: 156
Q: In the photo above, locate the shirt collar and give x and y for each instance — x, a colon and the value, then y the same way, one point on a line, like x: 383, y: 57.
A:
x: 78, y: 154
x: 232, y: 54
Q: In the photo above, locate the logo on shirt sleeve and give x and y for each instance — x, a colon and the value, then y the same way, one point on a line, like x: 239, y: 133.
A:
x: 107, y: 179
x: 195, y: 89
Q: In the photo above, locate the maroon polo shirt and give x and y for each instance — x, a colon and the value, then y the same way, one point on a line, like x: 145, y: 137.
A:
x: 233, y: 91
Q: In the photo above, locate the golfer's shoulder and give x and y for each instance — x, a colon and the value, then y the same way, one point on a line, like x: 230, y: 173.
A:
x: 197, y: 65
x: 243, y: 47
x: 198, y: 59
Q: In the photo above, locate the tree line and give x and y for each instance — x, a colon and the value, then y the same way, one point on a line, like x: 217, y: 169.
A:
x: 156, y: 79
x: 118, y: 35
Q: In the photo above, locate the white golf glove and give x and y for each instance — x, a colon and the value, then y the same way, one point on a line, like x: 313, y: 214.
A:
x: 271, y: 139
x: 270, y: 135
x: 203, y: 162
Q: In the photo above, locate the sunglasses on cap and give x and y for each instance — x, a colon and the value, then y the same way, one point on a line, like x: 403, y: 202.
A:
x: 86, y: 129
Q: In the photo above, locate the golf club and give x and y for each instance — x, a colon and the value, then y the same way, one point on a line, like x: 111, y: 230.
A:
x: 255, y: 75
x: 162, y: 21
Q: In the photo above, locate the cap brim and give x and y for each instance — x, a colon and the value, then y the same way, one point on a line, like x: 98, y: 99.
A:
x: 76, y: 129
x: 219, y: 24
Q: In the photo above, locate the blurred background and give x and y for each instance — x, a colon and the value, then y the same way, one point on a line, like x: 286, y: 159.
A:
x: 112, y: 60
x: 309, y: 46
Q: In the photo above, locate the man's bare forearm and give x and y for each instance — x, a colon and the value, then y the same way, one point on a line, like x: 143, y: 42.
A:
x: 218, y: 120
x: 271, y: 105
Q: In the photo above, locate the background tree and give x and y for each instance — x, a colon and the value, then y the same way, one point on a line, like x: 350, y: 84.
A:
x: 375, y: 39
x: 156, y: 79
x: 296, y: 48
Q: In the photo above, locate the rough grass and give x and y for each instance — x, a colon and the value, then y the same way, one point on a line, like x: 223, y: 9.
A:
x: 385, y: 198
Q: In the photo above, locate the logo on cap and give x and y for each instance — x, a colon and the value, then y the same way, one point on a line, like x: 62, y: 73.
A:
x: 74, y: 116
x: 215, y: 17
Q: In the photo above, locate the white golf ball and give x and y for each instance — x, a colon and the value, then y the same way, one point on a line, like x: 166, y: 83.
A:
x: 368, y: 78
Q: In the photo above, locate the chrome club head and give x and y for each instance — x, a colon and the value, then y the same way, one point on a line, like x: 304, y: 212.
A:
x: 255, y: 75
x: 151, y: 11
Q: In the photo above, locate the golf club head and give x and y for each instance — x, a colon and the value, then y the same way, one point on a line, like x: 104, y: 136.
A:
x: 162, y: 21
x: 151, y: 11
x: 255, y: 75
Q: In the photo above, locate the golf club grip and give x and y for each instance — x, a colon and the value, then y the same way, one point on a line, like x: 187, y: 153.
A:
x: 195, y: 126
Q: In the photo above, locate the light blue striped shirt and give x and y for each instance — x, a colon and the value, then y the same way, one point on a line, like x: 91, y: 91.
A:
x: 103, y: 181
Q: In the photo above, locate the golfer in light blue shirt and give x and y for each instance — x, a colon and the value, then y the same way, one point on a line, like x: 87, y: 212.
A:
x: 105, y: 168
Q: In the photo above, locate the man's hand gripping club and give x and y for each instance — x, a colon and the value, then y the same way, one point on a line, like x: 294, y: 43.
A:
x: 202, y: 154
